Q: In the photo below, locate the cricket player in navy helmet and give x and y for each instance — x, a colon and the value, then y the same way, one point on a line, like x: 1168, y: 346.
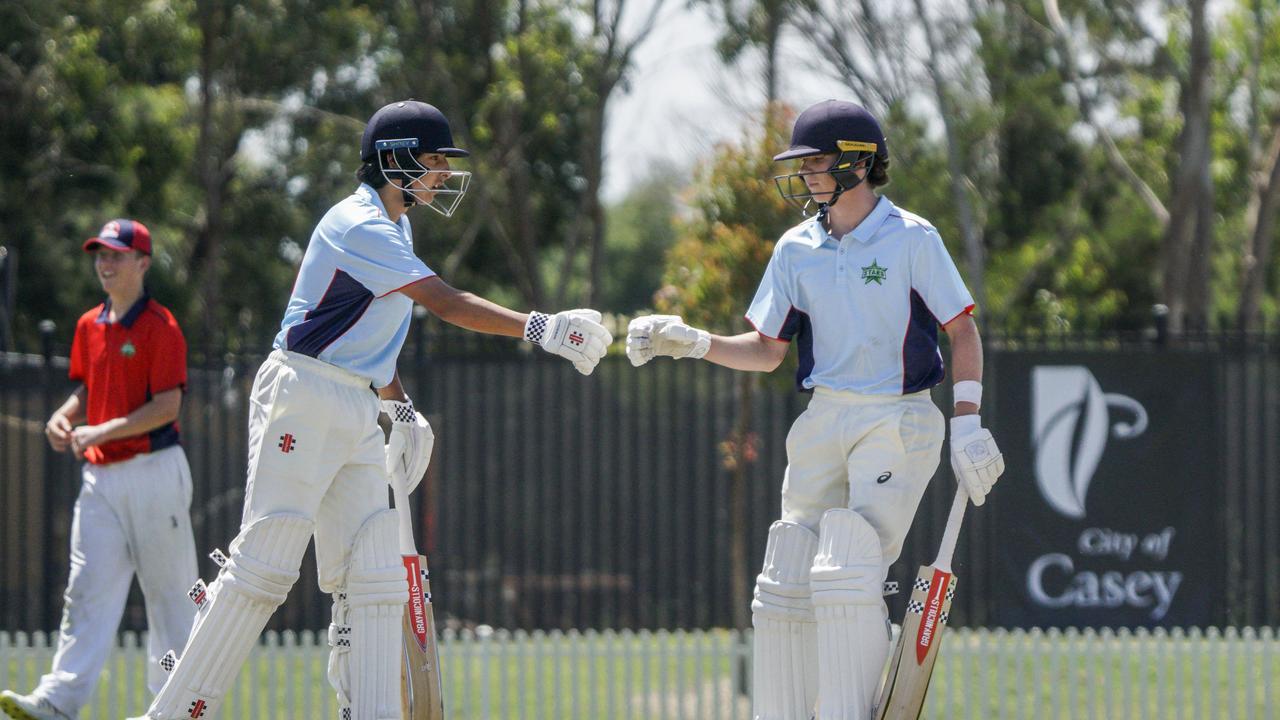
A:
x: 861, y: 287
x: 317, y: 461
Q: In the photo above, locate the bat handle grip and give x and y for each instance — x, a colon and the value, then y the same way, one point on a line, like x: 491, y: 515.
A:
x: 952, y: 532
x: 401, y: 496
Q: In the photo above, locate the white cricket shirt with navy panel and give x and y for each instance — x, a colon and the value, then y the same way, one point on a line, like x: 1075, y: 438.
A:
x: 864, y: 309
x: 345, y: 308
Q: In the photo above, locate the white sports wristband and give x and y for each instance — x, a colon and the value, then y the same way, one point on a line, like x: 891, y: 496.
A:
x: 967, y: 391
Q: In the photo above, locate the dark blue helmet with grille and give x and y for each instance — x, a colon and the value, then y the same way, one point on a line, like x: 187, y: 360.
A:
x: 834, y: 127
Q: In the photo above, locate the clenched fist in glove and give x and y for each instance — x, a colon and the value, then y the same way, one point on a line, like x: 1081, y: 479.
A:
x: 651, y: 335
x: 409, y: 446
x: 975, y: 459
x: 575, y: 335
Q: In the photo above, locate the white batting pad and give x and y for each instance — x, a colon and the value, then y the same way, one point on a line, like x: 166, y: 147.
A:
x: 853, y: 642
x: 364, y: 664
x: 263, y: 566
x: 784, y: 652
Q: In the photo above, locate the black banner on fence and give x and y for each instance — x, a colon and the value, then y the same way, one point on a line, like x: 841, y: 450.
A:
x: 1109, y: 513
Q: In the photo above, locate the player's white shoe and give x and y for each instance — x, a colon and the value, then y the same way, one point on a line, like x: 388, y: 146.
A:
x: 29, y: 707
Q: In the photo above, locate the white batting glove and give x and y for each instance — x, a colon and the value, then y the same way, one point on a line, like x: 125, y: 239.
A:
x: 575, y: 335
x: 409, y: 446
x: 651, y: 335
x: 975, y: 459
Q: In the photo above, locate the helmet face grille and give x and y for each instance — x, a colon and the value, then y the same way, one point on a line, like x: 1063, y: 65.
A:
x: 795, y: 191
x: 440, y: 190
x: 793, y: 188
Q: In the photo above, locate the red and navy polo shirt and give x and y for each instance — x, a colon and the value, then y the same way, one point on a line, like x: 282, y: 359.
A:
x: 123, y: 365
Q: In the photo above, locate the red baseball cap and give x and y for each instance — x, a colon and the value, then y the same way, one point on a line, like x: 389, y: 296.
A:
x: 122, y: 236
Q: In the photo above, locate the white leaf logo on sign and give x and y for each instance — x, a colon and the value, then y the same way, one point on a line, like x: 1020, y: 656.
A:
x: 1070, y: 419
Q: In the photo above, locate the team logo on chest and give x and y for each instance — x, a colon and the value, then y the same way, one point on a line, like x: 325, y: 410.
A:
x: 873, y: 273
x: 128, y: 349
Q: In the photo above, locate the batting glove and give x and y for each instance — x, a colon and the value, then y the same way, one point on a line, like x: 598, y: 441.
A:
x: 651, y: 335
x: 409, y: 446
x: 575, y: 335
x: 975, y: 459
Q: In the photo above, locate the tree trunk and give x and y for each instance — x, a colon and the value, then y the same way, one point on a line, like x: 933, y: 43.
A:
x: 592, y: 208
x: 969, y: 230
x: 1084, y: 101
x: 772, y: 40
x: 1188, y: 241
x: 1261, y: 241
x: 206, y: 257
x: 523, y: 227
x: 1260, y: 213
x: 524, y: 260
x: 1254, y: 80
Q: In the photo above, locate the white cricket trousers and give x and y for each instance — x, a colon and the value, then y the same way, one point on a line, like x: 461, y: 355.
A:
x: 317, y: 469
x: 316, y: 450
x: 873, y: 454
x: 132, y: 517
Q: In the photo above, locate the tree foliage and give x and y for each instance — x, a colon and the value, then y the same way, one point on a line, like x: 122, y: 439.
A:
x: 229, y: 128
x: 1083, y: 159
x: 735, y: 217
x: 1112, y: 155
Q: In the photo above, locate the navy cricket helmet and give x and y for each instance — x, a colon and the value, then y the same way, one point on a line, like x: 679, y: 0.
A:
x: 408, y: 129
x: 832, y: 126
x: 408, y: 124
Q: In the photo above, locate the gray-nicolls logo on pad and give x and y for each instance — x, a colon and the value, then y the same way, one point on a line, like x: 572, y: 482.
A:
x: 1071, y: 419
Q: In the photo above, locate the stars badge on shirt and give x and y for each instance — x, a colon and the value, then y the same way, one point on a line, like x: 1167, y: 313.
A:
x: 873, y: 273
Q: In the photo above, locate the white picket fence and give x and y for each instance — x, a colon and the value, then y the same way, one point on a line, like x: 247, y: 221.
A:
x: 706, y: 674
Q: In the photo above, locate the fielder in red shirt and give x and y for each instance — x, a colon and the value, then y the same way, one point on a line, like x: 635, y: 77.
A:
x: 132, y: 515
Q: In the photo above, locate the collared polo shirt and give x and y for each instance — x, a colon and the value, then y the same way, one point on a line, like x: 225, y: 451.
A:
x: 345, y: 308
x: 865, y: 308
x: 124, y: 364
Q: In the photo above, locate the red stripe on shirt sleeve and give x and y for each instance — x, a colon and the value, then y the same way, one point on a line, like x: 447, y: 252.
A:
x: 967, y: 311
x: 415, y: 282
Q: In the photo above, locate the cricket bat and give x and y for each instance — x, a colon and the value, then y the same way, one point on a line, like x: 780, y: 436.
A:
x: 421, y: 696
x: 911, y: 667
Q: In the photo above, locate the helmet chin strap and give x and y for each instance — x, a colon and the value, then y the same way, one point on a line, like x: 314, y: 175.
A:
x: 824, y: 208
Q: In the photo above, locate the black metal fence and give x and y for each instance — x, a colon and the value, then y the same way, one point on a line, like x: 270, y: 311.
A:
x: 562, y: 501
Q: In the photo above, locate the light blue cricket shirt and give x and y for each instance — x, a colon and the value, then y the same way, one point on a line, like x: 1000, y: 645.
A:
x: 345, y: 308
x: 864, y: 309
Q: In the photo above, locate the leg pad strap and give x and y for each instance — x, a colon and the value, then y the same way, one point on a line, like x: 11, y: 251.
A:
x: 263, y: 566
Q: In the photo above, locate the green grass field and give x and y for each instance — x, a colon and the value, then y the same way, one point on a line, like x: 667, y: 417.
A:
x: 980, y: 674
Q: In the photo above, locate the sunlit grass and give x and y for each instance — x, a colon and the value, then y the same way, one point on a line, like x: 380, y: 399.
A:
x: 705, y: 674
